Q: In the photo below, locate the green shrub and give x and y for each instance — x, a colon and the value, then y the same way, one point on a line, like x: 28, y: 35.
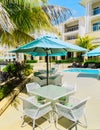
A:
x: 8, y: 87
x: 97, y: 63
x: 18, y: 70
x: 31, y: 61
x: 28, y: 69
x: 91, y: 60
x: 4, y: 90
x: 1, y: 60
x: 14, y: 69
x: 69, y: 60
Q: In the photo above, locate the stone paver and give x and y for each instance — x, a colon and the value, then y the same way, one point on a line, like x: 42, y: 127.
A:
x: 87, y: 85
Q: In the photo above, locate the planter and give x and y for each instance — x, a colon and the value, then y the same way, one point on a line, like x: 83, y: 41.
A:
x: 4, y: 103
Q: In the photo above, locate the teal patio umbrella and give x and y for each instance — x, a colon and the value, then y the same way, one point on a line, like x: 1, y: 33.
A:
x: 94, y: 52
x: 48, y: 45
x: 62, y: 53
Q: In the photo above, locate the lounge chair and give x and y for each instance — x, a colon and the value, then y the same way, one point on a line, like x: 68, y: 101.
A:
x: 35, y: 110
x: 74, y: 110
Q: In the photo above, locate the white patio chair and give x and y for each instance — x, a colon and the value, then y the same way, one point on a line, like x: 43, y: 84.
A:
x: 72, y: 88
x: 41, y: 82
x: 31, y: 86
x: 73, y: 111
x: 56, y: 80
x: 35, y: 110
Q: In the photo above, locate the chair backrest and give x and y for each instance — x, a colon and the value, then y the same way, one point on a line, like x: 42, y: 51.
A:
x: 74, y: 100
x: 56, y: 80
x: 40, y: 81
x: 72, y: 87
x: 31, y: 86
x: 72, y: 112
x: 27, y: 102
x: 33, y: 109
x: 78, y: 110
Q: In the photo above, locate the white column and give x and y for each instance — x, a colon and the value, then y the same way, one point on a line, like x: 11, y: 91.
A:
x: 63, y: 31
x: 58, y: 57
x: 88, y: 15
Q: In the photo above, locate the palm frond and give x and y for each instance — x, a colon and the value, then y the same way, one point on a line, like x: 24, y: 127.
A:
x: 15, y: 39
x: 25, y: 3
x: 5, y: 22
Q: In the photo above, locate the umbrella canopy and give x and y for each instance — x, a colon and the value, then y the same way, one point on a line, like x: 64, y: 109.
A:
x: 48, y: 45
x: 55, y: 52
x: 94, y: 52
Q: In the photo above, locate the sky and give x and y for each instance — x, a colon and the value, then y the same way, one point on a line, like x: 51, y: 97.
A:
x: 76, y: 9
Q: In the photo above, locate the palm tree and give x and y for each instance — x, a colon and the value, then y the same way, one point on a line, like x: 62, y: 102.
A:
x: 27, y: 16
x: 85, y: 42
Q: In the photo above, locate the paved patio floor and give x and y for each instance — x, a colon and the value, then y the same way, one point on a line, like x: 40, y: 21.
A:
x: 87, y: 86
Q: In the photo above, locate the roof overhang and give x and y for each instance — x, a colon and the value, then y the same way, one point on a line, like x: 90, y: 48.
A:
x: 84, y: 2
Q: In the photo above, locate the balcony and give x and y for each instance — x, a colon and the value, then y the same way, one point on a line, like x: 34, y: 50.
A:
x: 71, y: 29
x: 70, y: 38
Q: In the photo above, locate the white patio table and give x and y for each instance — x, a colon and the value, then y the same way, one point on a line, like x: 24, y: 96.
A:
x: 52, y: 93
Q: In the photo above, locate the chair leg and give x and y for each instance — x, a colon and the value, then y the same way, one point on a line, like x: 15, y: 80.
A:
x: 76, y: 127
x: 33, y: 124
x: 84, y: 123
x: 56, y: 121
x: 23, y: 121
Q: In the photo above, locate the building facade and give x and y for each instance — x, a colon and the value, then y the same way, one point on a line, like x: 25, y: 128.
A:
x: 92, y: 19
x: 72, y: 28
x: 87, y: 25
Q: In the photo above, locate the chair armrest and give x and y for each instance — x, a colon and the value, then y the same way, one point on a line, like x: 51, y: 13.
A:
x: 63, y: 106
x: 44, y: 105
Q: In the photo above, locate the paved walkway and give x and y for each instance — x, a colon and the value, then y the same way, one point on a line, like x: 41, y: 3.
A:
x: 87, y: 85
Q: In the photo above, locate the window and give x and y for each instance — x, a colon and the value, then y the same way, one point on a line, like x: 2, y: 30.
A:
x: 96, y: 26
x: 96, y: 10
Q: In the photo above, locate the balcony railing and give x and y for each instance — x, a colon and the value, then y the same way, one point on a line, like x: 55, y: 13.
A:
x: 70, y: 37
x: 70, y: 29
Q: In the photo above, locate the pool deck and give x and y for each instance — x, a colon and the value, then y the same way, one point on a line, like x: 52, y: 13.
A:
x: 87, y: 86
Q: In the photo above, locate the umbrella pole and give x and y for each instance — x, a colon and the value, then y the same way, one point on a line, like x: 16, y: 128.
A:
x: 47, y: 60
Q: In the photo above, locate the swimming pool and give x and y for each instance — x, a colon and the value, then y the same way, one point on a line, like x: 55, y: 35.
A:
x: 84, y: 70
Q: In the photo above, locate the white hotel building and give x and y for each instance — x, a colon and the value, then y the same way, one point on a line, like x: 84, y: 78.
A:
x: 86, y: 25
x: 92, y: 19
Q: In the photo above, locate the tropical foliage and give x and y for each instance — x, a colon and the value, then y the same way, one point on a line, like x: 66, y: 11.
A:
x: 17, y: 70
x: 85, y: 42
x: 25, y: 16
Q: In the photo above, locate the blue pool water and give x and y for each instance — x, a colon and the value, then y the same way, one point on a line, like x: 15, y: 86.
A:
x: 83, y: 70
